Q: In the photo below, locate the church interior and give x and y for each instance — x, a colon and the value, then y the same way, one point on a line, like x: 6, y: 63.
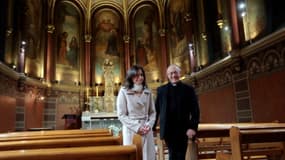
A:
x: 70, y: 57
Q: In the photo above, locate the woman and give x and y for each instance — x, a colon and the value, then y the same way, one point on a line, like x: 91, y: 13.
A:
x: 136, y: 111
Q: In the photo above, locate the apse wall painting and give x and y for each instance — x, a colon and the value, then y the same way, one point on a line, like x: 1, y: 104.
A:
x: 108, y: 42
x: 67, y: 43
x: 68, y: 36
x: 176, y: 30
x: 146, y: 46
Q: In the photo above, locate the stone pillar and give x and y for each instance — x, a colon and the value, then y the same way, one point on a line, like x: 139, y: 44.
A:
x: 189, y: 34
x: 164, y: 55
x: 87, y: 60
x: 49, y: 67
x: 234, y: 24
x: 127, y: 52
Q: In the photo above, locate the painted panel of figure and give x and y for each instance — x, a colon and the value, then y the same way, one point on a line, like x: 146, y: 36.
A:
x: 68, y: 35
x: 108, y: 42
x: 147, y: 47
x: 67, y: 43
x: 176, y: 30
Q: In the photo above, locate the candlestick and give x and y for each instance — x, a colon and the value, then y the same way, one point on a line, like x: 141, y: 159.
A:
x: 97, y: 91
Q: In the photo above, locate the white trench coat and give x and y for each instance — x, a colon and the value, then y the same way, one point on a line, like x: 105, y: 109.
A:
x: 133, y: 112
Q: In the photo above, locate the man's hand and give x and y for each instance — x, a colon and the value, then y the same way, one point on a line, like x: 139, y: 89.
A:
x: 190, y: 133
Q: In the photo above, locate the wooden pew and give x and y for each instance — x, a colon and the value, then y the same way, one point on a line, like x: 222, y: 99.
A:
x: 212, y: 138
x: 54, y: 132
x: 262, y: 140
x: 218, y: 133
x: 113, y: 152
x: 42, y: 137
x: 37, y: 135
x: 61, y: 142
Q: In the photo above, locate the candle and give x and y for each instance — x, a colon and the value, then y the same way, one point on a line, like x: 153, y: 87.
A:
x: 97, y: 91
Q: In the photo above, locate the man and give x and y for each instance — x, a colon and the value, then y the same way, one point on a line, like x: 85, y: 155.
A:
x: 178, y: 110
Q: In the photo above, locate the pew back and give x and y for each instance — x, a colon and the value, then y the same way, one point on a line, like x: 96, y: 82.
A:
x: 108, y: 152
x: 61, y: 142
x: 214, y: 137
x: 74, y: 153
x: 239, y: 137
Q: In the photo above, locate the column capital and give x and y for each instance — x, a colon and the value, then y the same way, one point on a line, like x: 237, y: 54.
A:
x: 9, y: 31
x: 161, y: 32
x: 187, y: 17
x: 126, y: 38
x: 50, y: 28
x: 87, y: 38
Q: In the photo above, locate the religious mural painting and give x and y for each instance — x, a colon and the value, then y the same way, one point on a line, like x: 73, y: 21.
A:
x: 176, y: 32
x: 31, y: 24
x: 108, y: 46
x: 146, y: 46
x: 68, y: 48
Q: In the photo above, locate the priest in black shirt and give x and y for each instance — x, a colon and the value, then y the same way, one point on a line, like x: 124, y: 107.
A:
x: 178, y: 113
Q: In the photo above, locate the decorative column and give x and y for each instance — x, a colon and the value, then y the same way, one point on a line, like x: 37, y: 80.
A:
x: 21, y: 57
x: 49, y: 68
x: 127, y: 52
x: 189, y: 34
x: 234, y: 24
x: 164, y: 55
x: 9, y: 55
x: 87, y: 66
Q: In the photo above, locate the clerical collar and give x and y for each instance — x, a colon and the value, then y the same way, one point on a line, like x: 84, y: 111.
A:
x: 175, y: 84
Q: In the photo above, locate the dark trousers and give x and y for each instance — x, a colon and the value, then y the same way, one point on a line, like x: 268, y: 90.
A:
x: 176, y: 148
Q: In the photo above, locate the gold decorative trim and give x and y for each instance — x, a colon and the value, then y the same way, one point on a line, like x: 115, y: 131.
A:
x: 9, y: 32
x: 88, y: 38
x: 161, y: 32
x: 50, y: 28
x: 126, y: 38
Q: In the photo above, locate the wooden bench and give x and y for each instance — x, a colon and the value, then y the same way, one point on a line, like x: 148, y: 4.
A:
x: 113, y: 152
x: 53, y: 132
x: 265, y: 142
x: 16, y: 136
x: 42, y: 137
x: 214, y: 137
x: 61, y: 142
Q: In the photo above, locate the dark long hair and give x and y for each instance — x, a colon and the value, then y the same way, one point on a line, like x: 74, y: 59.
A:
x: 131, y: 73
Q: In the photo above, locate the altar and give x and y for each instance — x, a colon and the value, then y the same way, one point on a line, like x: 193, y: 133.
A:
x: 92, y: 120
x: 101, y: 111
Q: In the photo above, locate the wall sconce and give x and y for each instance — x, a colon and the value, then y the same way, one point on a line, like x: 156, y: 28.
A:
x: 38, y: 97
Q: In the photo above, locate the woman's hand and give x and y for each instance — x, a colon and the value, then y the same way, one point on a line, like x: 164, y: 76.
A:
x: 144, y: 130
